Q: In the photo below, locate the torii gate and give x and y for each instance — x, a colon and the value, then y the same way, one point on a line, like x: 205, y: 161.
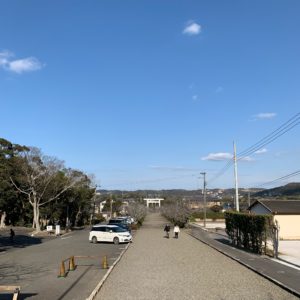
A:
x: 154, y: 201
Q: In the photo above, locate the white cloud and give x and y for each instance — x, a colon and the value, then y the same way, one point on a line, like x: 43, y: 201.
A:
x: 18, y: 65
x: 221, y: 156
x: 192, y: 28
x: 4, y: 57
x: 264, y: 116
x: 195, y: 97
x: 261, y: 151
x: 24, y: 65
x: 218, y: 156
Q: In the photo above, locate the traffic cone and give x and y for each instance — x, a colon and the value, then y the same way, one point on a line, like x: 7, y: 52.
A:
x: 62, y: 271
x: 104, y: 262
x: 72, y: 265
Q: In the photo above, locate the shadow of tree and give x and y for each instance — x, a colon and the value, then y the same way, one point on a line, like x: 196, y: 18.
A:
x: 19, y: 241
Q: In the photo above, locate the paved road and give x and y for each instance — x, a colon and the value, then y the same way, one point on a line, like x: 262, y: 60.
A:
x: 36, y: 267
x: 158, y: 268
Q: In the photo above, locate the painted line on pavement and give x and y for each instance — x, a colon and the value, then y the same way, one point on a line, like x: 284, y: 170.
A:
x: 285, y: 263
x: 67, y: 237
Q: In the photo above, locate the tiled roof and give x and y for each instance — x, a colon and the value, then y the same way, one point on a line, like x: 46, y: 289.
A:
x: 280, y: 206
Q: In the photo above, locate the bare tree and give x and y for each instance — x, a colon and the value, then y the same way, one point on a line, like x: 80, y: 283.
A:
x: 43, y: 179
x: 138, y: 211
x: 176, y: 213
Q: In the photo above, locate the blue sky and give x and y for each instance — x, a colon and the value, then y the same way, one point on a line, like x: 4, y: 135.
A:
x: 148, y: 94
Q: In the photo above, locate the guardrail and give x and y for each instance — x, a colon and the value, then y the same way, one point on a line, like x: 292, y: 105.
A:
x: 14, y: 289
x: 72, y: 265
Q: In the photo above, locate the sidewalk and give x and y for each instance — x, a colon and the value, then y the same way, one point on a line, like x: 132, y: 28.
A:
x: 289, y: 250
x: 158, y: 268
x: 284, y: 275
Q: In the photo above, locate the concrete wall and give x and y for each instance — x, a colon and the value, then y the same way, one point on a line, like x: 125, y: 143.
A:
x: 289, y: 226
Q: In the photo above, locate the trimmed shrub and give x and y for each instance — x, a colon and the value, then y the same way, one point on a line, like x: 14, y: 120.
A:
x: 249, y: 231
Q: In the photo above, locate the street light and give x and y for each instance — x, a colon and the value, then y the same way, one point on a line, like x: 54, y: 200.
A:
x: 204, y: 198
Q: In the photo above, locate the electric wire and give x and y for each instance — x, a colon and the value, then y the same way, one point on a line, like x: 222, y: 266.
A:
x: 289, y: 122
x: 274, y: 135
x: 280, y: 178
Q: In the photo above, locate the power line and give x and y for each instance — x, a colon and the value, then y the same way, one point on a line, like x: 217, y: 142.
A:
x: 274, y: 135
x: 285, y: 125
x: 270, y: 139
x: 281, y: 178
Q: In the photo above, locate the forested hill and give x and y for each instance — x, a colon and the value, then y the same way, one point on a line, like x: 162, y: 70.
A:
x: 291, y: 190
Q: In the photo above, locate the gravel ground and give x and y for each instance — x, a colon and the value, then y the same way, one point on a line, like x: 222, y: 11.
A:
x: 158, y: 268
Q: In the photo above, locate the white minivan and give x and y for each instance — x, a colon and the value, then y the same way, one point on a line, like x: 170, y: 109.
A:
x: 109, y: 233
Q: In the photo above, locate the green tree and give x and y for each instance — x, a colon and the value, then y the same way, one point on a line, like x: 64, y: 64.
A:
x: 43, y: 179
x: 11, y: 202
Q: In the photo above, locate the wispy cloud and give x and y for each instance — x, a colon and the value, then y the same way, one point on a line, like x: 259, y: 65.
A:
x: 172, y: 169
x: 19, y: 66
x: 195, y: 97
x: 221, y: 156
x: 261, y: 151
x: 192, y: 28
x: 218, y: 156
x: 219, y: 89
x: 265, y: 116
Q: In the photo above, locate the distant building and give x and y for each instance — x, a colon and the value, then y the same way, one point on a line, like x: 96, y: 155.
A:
x: 285, y: 212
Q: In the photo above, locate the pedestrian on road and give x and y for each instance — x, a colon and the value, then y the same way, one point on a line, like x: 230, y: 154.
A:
x: 12, y: 235
x: 176, y: 231
x: 167, y: 230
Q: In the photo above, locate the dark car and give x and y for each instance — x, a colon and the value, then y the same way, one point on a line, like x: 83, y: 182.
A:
x: 120, y: 222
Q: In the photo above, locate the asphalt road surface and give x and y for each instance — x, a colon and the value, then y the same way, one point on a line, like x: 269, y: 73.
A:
x: 34, y: 264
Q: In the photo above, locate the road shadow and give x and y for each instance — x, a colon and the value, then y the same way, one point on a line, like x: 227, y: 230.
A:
x: 223, y: 241
x: 22, y: 296
x: 19, y: 241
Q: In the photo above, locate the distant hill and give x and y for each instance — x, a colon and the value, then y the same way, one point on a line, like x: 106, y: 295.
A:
x: 213, y: 194
x: 291, y: 190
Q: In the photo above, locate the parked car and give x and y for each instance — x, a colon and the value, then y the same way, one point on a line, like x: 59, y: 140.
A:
x: 109, y: 233
x: 120, y: 222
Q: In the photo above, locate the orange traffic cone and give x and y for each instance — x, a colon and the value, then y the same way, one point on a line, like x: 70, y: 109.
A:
x: 62, y: 271
x: 72, y: 265
x: 104, y: 262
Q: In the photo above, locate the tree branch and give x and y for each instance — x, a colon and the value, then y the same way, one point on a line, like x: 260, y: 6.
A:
x: 20, y: 190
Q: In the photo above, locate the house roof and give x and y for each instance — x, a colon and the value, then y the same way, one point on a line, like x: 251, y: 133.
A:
x: 285, y: 207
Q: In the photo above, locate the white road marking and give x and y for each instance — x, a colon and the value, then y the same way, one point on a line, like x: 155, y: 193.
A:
x: 284, y: 263
x: 63, y: 238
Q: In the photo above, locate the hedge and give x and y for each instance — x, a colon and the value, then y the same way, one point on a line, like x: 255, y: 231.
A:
x: 249, y: 231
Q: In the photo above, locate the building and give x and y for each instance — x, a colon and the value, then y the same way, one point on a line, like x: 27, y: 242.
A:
x: 285, y: 212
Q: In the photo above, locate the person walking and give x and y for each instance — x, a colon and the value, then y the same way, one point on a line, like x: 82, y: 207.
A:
x: 167, y: 230
x: 176, y: 231
x: 12, y: 235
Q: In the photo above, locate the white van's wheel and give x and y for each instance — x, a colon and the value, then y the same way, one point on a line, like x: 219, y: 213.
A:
x: 94, y: 240
x: 116, y: 241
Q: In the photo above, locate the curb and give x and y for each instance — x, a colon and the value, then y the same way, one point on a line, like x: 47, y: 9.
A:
x: 290, y: 290
x: 99, y: 285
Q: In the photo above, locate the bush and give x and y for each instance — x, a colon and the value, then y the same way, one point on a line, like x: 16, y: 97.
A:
x: 248, y: 231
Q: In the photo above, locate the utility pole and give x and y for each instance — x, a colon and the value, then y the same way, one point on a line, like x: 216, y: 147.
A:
x: 237, y: 206
x: 249, y: 200
x: 110, y: 206
x: 204, y: 198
